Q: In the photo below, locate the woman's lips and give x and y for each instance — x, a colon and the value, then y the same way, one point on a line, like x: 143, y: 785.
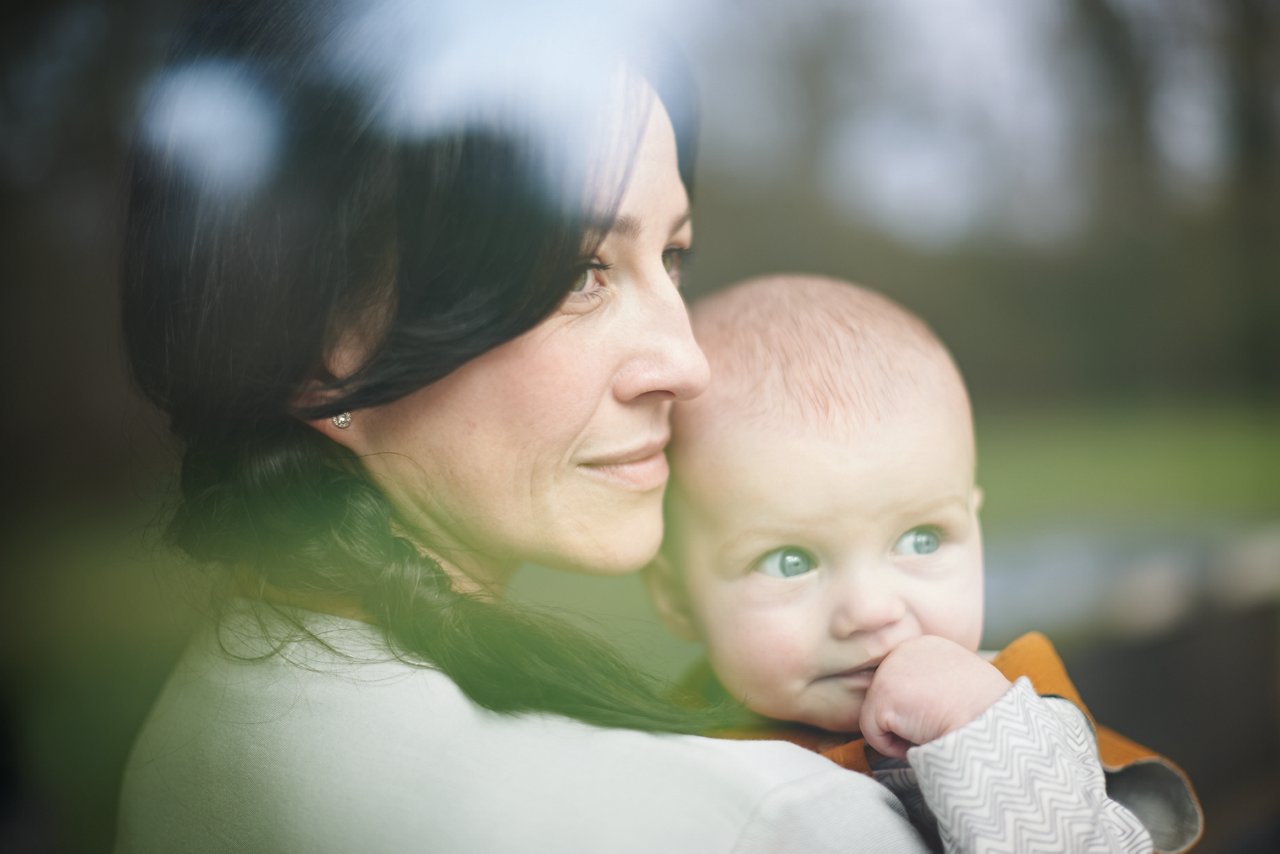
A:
x: 642, y: 470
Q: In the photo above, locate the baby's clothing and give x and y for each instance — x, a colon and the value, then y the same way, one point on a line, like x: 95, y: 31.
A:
x: 1149, y: 785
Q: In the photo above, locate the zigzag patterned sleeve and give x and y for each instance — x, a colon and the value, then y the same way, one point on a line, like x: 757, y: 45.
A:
x: 1023, y: 777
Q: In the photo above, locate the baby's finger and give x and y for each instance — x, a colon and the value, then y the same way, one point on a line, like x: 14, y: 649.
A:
x: 893, y: 746
x: 878, y: 731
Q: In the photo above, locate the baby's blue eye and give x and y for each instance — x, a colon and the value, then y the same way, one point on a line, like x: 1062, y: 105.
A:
x: 919, y: 541
x: 787, y: 562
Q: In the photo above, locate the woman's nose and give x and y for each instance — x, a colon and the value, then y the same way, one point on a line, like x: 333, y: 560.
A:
x: 666, y: 360
x: 865, y: 601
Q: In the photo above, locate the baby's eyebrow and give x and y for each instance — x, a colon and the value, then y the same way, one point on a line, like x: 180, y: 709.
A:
x: 956, y: 502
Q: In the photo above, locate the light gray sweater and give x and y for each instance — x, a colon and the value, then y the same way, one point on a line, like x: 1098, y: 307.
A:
x: 266, y: 742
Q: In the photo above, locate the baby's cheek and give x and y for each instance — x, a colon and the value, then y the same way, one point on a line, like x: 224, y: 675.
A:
x: 968, y: 633
x: 957, y: 618
x: 760, y: 661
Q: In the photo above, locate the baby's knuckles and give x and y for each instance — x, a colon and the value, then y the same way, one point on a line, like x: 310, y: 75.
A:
x: 924, y: 689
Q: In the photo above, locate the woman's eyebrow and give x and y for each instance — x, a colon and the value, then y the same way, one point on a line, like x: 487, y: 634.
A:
x: 681, y: 221
x: 629, y: 227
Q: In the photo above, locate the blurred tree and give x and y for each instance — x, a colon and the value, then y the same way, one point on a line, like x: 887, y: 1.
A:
x: 1117, y: 54
x: 1253, y: 189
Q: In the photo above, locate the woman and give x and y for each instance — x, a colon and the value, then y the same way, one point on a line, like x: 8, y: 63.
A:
x: 426, y: 326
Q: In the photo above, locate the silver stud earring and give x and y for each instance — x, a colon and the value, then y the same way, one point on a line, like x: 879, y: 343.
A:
x: 342, y: 420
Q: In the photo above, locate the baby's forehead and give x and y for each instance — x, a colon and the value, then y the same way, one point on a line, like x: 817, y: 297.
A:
x: 727, y: 431
x: 829, y: 402
x: 738, y: 478
x: 804, y: 356
x: 832, y: 351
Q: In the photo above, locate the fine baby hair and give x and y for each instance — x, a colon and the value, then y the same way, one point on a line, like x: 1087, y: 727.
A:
x: 826, y: 353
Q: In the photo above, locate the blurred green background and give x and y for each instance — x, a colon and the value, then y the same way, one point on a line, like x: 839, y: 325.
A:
x: 1082, y: 197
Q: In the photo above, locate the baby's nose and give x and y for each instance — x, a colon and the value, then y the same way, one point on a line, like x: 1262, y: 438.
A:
x: 867, y: 603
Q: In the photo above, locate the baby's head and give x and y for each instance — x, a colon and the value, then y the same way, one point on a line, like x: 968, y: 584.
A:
x: 822, y: 507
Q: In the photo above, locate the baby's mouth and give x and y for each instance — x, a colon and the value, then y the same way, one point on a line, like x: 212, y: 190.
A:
x: 855, y: 677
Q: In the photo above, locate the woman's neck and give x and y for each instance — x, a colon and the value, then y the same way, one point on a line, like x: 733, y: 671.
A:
x: 475, y: 578
x: 469, y: 572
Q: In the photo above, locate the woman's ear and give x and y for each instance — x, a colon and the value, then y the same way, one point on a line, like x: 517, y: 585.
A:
x: 345, y: 428
x: 666, y: 589
x: 343, y: 360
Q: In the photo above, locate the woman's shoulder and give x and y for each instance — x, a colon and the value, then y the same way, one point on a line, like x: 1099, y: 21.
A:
x: 336, y: 744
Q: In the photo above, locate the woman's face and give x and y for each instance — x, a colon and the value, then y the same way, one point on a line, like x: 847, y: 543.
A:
x: 549, y: 448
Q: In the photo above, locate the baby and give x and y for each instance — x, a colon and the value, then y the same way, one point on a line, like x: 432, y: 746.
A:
x: 823, y: 538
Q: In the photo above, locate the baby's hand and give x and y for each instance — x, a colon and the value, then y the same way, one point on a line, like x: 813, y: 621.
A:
x: 924, y: 689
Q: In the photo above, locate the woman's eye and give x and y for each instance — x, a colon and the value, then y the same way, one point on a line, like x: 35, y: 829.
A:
x: 590, y: 278
x: 787, y: 562
x: 919, y: 541
x: 674, y: 260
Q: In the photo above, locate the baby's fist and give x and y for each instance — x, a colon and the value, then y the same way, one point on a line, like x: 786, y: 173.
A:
x: 924, y: 689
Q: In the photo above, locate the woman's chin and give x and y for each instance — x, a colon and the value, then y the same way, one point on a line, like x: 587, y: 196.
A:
x: 611, y: 534
x: 626, y: 549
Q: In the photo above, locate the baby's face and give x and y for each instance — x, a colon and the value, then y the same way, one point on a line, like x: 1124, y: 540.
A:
x: 806, y: 559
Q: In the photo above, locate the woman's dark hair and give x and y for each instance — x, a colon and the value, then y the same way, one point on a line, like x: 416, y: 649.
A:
x: 331, y: 206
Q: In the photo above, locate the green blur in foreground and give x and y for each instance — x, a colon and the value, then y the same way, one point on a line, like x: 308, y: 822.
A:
x: 1130, y: 464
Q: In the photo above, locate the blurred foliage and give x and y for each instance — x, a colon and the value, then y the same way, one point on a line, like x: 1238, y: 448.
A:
x: 1120, y: 466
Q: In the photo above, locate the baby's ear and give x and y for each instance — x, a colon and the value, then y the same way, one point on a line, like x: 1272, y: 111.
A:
x: 977, y: 499
x: 666, y: 589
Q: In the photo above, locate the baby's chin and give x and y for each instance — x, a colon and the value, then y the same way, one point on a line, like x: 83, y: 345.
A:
x: 837, y: 721
x: 841, y: 725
